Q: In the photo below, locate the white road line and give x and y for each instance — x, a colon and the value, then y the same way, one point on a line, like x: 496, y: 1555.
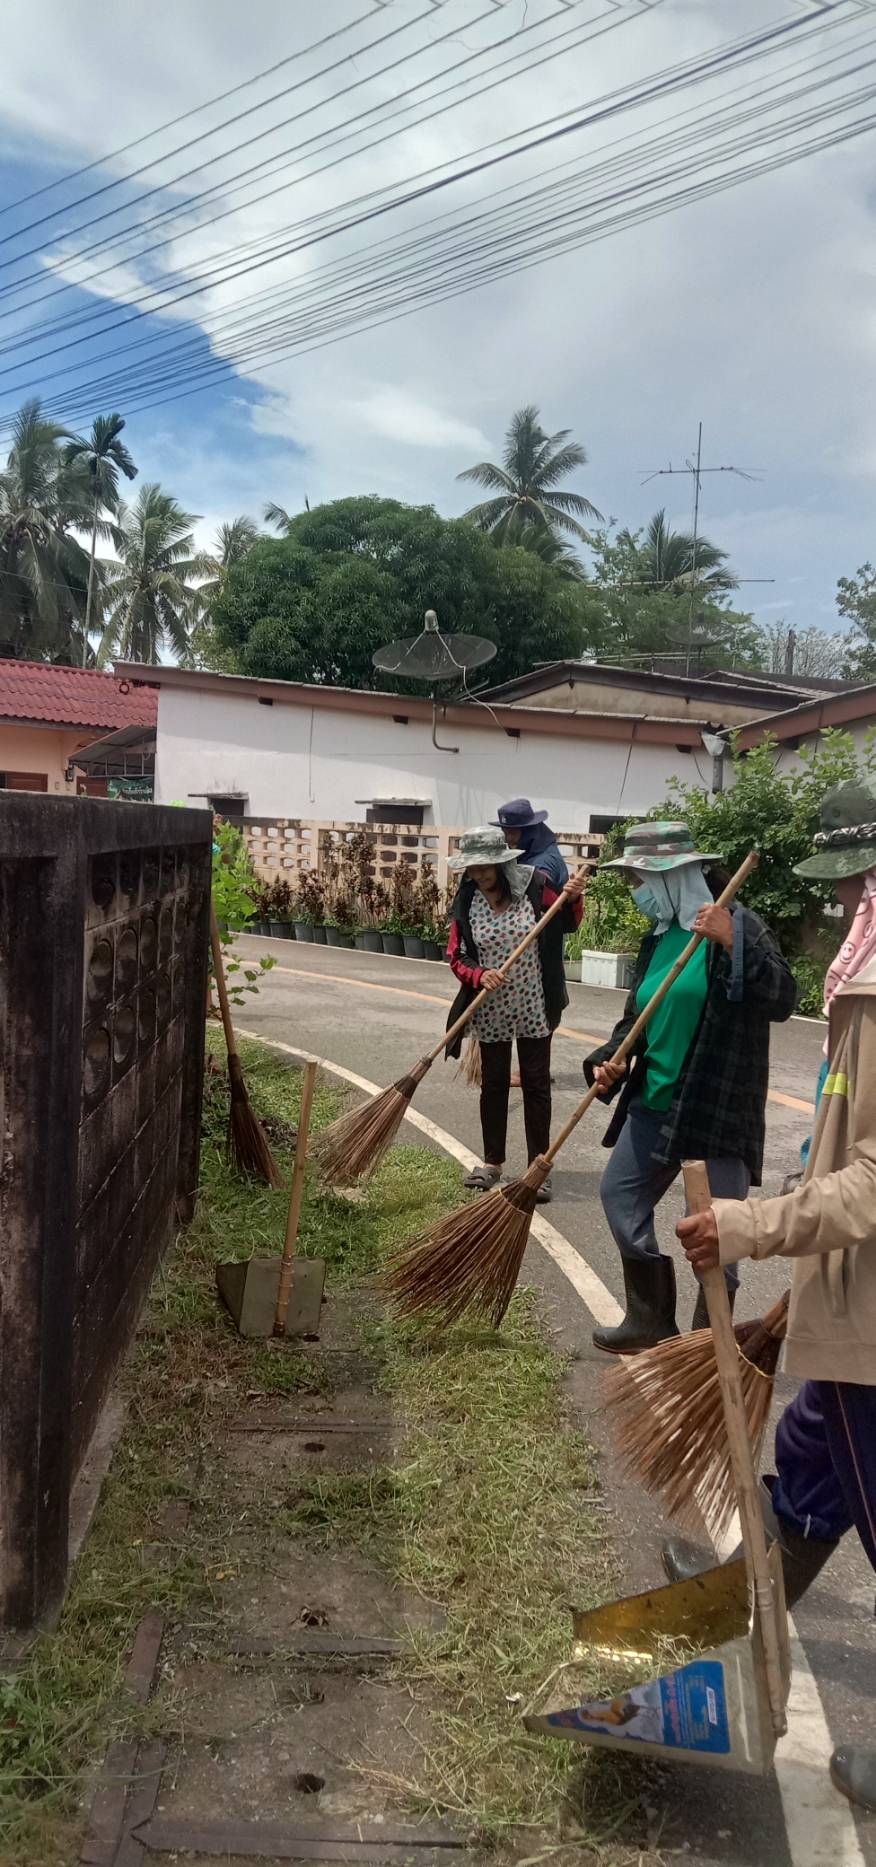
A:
x: 818, y: 1821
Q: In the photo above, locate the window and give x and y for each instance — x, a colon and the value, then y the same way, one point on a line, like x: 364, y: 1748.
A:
x: 231, y: 808
x: 601, y: 825
x: 396, y: 813
x: 24, y: 781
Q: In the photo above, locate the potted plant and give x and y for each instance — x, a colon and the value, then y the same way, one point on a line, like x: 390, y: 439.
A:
x: 428, y: 907
x: 401, y: 923
x: 605, y: 946
x: 310, y: 910
x: 261, y: 897
x: 373, y: 911
x: 278, y: 902
x: 340, y: 924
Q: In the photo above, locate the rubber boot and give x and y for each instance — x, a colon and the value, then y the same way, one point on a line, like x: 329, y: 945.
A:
x: 803, y: 1557
x: 700, y: 1318
x: 853, y: 1773
x: 650, y: 1291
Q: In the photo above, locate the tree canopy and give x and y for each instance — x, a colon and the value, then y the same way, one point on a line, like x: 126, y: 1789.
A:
x: 356, y: 573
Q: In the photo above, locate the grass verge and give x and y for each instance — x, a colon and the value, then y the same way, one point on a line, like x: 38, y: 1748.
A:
x: 489, y: 1510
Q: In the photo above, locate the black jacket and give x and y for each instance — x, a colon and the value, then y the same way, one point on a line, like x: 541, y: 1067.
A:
x: 719, y: 1105
x: 465, y: 960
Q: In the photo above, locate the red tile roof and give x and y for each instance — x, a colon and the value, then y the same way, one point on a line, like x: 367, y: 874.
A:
x: 86, y: 697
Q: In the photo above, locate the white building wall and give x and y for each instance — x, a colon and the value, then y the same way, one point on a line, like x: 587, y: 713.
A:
x: 790, y: 761
x: 319, y: 763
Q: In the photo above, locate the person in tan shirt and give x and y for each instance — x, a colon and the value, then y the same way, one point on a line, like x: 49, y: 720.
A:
x: 825, y: 1482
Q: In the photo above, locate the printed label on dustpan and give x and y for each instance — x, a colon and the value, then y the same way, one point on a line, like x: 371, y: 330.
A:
x: 687, y: 1710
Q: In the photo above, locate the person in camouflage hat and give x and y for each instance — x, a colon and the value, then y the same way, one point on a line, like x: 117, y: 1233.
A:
x: 825, y: 1478
x: 697, y: 1083
x: 499, y: 900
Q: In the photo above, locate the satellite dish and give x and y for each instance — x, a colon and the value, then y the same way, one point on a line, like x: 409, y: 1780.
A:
x: 434, y: 657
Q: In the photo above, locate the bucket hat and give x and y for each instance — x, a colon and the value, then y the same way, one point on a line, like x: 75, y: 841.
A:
x: 652, y: 847
x: 483, y: 848
x: 846, y: 842
x: 519, y: 815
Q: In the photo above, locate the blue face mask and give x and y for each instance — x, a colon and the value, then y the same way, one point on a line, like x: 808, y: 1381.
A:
x: 646, y: 901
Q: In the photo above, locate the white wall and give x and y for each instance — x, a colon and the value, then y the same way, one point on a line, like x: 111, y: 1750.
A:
x: 313, y: 762
x: 789, y: 761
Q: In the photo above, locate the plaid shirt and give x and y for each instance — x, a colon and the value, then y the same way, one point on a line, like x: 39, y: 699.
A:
x: 719, y: 1104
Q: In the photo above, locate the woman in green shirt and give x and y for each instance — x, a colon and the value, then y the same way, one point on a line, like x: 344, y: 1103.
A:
x: 698, y: 1081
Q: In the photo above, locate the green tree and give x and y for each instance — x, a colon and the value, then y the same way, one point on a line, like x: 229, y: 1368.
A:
x: 356, y: 573
x: 628, y: 615
x: 669, y: 560
x: 103, y: 455
x: 527, y: 484
x: 233, y: 540
x: 151, y: 595
x: 856, y: 599
x: 43, y: 568
x: 816, y: 654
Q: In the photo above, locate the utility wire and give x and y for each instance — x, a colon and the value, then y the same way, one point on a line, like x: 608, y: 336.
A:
x: 112, y: 155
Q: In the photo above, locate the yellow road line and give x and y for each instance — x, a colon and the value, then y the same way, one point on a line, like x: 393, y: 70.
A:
x: 432, y: 998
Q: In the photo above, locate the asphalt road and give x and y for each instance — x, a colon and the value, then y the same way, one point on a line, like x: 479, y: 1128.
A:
x: 374, y: 1016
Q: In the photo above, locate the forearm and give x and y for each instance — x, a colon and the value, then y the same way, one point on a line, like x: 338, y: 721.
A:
x: 832, y: 1213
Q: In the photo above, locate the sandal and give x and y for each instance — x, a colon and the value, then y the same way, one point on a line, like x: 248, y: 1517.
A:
x: 482, y: 1179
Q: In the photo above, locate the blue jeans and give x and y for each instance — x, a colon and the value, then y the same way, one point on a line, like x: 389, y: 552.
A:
x: 634, y: 1182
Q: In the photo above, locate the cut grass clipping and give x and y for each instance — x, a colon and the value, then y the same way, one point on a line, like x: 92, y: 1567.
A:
x: 488, y: 1510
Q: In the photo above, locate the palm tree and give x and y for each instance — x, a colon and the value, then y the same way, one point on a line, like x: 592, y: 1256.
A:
x: 277, y: 516
x: 552, y: 550
x: 150, y: 596
x: 43, y: 569
x: 104, y: 456
x: 231, y: 544
x: 669, y: 560
x: 527, y: 484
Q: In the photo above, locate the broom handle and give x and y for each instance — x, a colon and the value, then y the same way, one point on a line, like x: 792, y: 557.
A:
x: 221, y: 987
x: 632, y: 1037
x: 533, y: 934
x: 699, y: 1199
x: 293, y: 1218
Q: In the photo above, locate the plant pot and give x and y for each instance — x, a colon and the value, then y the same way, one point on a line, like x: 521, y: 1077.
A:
x: 359, y: 943
x: 431, y: 950
x: 394, y: 945
x: 278, y: 930
x: 319, y: 934
x: 338, y: 936
x: 372, y: 941
x: 259, y: 927
x: 414, y: 947
x: 572, y: 970
x: 302, y: 930
x: 607, y: 969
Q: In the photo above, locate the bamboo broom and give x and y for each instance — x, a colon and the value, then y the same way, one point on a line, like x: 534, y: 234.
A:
x: 247, y: 1144
x: 355, y: 1144
x: 471, y: 1259
x: 668, y: 1416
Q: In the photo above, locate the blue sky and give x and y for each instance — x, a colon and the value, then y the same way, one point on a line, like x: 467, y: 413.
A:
x: 752, y: 310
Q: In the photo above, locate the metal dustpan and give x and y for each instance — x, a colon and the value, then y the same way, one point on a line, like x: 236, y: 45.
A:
x: 726, y: 1704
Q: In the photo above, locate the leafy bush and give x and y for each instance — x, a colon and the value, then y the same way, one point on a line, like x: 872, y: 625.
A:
x: 235, y: 885
x: 809, y: 972
x: 776, y: 813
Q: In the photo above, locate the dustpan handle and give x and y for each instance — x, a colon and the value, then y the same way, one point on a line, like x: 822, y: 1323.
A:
x: 533, y: 934
x: 699, y: 1199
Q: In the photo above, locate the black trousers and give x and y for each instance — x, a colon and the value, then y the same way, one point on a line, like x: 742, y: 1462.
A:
x: 534, y: 1057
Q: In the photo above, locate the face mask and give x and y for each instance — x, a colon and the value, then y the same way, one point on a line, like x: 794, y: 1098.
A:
x: 646, y: 901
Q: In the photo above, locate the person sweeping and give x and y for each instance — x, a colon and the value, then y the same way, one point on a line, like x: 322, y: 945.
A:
x: 825, y: 1479
x: 698, y: 1082
x: 499, y: 899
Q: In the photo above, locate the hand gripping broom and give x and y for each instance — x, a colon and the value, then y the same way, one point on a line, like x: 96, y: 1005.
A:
x: 471, y: 1259
x: 247, y: 1144
x: 355, y: 1144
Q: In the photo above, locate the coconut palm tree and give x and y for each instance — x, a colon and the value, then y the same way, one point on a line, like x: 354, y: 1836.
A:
x: 552, y: 550
x: 43, y: 569
x: 150, y: 596
x: 666, y: 560
x: 232, y: 542
x: 103, y: 456
x: 527, y: 484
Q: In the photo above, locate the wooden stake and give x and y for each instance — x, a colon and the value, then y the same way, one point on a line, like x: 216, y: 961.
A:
x: 293, y: 1218
x: 699, y: 1199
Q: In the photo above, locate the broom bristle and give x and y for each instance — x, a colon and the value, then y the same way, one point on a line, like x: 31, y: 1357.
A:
x: 669, y: 1418
x: 355, y: 1144
x: 470, y: 1260
x: 247, y: 1141
x: 469, y: 1066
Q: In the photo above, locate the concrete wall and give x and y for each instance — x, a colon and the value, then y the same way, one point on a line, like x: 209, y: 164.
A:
x: 790, y: 760
x: 41, y: 749
x: 599, y: 697
x: 317, y: 763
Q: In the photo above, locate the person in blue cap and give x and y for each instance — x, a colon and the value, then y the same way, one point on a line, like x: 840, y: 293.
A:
x: 528, y: 830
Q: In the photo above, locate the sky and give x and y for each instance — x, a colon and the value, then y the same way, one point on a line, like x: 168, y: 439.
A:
x: 751, y: 310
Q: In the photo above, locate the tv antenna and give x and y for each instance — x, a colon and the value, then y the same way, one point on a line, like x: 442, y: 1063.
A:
x: 434, y: 657
x: 696, y: 470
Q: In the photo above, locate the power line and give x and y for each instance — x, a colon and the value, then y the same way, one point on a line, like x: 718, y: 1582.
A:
x: 112, y: 155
